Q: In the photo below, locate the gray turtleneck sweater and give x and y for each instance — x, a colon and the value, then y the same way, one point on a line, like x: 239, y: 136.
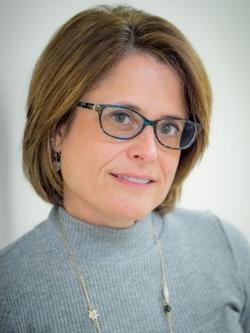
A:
x: 208, y: 268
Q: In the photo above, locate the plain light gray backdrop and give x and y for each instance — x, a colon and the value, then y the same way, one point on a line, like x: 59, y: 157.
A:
x: 219, y: 30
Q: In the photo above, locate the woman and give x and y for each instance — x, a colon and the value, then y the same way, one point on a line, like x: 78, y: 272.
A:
x: 118, y: 115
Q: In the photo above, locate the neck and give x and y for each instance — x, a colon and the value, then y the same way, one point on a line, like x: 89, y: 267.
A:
x: 98, y: 218
x: 104, y: 243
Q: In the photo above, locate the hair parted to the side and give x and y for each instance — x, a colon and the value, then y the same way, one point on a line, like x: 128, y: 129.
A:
x: 82, y: 51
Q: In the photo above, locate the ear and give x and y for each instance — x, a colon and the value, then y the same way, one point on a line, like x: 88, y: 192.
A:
x: 57, y: 138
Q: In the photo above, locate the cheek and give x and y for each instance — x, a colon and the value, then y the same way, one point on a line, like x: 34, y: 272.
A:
x: 169, y: 166
x: 83, y: 158
x: 72, y: 156
x: 75, y: 160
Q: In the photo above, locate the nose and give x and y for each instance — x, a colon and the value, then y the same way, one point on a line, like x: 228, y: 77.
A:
x: 144, y: 146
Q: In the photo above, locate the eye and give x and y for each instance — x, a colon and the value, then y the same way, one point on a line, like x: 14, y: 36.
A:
x: 121, y: 122
x: 169, y: 128
x: 120, y: 117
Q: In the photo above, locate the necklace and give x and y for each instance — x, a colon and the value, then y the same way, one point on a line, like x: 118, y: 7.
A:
x: 93, y: 314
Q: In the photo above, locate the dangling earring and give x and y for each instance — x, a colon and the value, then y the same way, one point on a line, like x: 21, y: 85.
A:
x: 57, y: 161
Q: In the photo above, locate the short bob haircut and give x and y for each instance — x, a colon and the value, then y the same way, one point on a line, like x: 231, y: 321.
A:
x: 81, y: 52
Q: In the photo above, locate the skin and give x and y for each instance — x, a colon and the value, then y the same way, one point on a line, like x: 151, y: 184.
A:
x: 89, y: 157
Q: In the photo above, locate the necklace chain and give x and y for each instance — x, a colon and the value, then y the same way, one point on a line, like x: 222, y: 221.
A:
x: 93, y: 314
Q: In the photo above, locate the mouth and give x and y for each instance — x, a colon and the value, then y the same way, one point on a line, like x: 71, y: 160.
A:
x: 132, y: 179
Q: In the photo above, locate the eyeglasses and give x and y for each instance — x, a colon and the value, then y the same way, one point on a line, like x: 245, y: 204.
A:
x: 122, y: 123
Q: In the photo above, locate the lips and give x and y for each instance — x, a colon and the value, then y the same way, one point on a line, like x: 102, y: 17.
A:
x: 137, y: 179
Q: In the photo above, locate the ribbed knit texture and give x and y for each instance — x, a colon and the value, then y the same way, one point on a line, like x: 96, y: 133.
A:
x: 208, y: 267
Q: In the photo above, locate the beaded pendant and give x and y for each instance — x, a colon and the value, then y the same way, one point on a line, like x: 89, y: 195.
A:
x: 93, y: 314
x: 166, y: 305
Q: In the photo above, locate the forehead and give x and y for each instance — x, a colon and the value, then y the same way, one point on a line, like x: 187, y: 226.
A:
x: 143, y: 81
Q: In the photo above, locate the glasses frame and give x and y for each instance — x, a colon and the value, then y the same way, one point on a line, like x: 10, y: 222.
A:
x: 99, y: 108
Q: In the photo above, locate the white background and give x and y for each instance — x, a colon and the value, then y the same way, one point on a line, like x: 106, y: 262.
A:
x: 219, y: 30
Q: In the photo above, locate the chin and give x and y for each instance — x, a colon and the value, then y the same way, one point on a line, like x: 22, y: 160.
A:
x: 134, y: 212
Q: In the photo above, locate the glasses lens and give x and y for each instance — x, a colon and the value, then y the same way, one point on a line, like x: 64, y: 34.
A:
x: 175, y: 133
x: 188, y: 135
x: 121, y: 122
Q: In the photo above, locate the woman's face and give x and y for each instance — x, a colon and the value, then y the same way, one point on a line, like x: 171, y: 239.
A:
x: 94, y: 165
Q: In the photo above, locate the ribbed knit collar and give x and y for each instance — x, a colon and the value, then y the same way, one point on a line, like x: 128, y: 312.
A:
x: 93, y: 242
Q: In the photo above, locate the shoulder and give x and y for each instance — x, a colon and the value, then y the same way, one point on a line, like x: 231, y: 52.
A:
x: 218, y: 243
x: 19, y: 259
x: 206, y: 228
x: 23, y: 266
x: 18, y: 262
x: 206, y: 225
x: 23, y: 246
x: 26, y: 251
x: 217, y: 251
x: 27, y: 245
x: 26, y: 263
x: 216, y: 247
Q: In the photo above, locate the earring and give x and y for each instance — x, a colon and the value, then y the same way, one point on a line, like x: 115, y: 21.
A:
x: 57, y: 161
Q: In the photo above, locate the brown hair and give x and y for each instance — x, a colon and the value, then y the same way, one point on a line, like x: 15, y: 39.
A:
x: 79, y: 54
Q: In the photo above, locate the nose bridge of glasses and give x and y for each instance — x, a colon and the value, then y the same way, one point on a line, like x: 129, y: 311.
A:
x: 152, y: 123
x: 148, y: 123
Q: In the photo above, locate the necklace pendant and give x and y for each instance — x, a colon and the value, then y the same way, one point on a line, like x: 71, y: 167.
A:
x: 167, y: 308
x: 166, y: 305
x: 165, y: 294
x: 93, y: 314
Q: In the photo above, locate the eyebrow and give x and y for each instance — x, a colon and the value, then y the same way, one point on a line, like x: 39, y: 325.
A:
x: 138, y: 109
